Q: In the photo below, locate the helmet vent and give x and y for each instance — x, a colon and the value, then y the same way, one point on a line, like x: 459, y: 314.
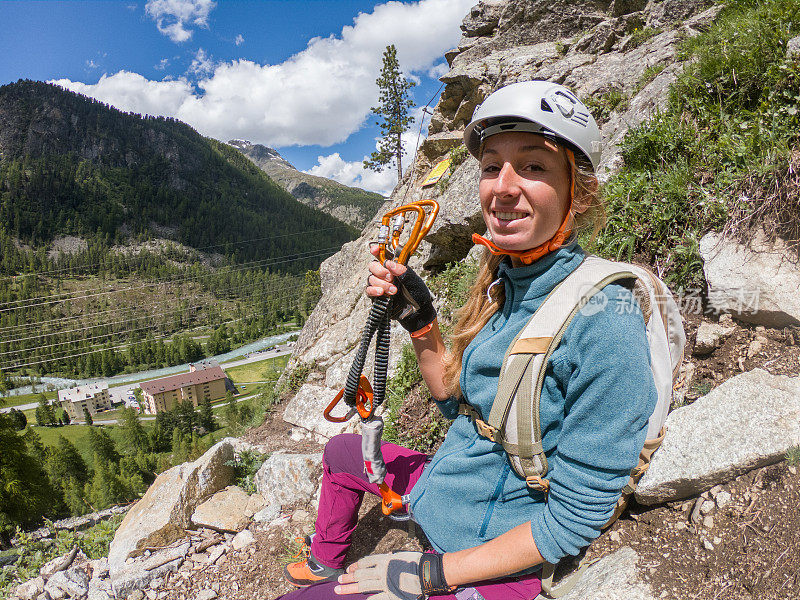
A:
x: 580, y: 118
x: 546, y: 106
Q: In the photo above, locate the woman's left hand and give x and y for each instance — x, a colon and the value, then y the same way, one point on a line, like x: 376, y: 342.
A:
x: 389, y: 576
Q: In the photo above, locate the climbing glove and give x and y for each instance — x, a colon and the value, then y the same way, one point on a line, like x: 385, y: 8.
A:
x: 401, y: 576
x: 412, y: 305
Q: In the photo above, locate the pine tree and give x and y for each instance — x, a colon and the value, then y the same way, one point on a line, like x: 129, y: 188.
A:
x: 5, y: 384
x: 105, y: 488
x: 63, y: 461
x: 45, y: 414
x: 232, y: 416
x: 393, y: 105
x: 134, y: 437
x: 87, y: 417
x: 18, y: 418
x: 103, y: 446
x: 207, y: 421
x: 27, y: 493
x: 180, y: 449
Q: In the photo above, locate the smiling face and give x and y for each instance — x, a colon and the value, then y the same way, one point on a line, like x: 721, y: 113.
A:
x: 524, y: 189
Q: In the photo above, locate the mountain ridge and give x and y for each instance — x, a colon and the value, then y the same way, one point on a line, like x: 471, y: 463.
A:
x: 352, y: 205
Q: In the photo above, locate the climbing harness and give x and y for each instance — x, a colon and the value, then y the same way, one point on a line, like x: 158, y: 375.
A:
x: 362, y: 397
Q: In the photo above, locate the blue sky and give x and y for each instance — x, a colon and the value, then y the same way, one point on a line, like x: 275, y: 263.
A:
x: 296, y: 76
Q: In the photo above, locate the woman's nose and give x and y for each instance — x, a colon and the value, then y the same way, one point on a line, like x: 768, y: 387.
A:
x: 507, y: 182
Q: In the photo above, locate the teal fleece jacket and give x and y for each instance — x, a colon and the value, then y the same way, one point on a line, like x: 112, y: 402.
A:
x: 597, y: 397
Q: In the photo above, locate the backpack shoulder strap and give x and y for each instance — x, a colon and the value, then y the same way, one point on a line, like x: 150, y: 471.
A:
x: 514, y: 418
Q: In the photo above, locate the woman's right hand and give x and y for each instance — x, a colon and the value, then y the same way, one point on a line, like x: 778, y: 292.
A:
x: 412, y: 304
x: 381, y: 280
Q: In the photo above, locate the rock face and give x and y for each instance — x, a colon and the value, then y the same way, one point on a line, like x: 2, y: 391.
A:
x: 756, y: 283
x: 747, y: 422
x: 614, y: 577
x: 351, y: 205
x: 165, y: 511
x: 288, y: 478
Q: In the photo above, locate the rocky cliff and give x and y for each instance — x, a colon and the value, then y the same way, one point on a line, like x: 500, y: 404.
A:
x: 352, y: 205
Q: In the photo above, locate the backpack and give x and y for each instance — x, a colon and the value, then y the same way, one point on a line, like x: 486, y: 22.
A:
x: 514, y: 417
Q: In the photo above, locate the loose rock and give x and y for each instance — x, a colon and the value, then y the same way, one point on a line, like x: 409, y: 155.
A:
x: 243, y: 539
x: 30, y: 589
x: 224, y: 511
x: 749, y: 421
x: 165, y: 511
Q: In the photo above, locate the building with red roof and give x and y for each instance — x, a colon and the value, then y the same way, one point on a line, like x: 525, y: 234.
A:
x: 202, y: 382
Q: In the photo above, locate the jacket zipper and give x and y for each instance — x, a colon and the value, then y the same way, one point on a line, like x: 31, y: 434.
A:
x: 495, y: 495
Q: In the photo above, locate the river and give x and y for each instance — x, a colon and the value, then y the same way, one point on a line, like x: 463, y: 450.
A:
x: 51, y: 383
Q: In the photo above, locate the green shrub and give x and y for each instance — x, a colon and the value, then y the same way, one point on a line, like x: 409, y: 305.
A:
x: 406, y: 376
x: 649, y: 74
x: 457, y: 156
x: 245, y: 466
x: 451, y: 286
x: 602, y: 105
x: 640, y: 35
x: 793, y: 456
x: 297, y: 377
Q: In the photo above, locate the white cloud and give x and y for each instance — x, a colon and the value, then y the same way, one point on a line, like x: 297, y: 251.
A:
x: 353, y: 173
x: 318, y: 96
x: 202, y: 65
x: 173, y: 16
x: 437, y: 71
x: 162, y: 64
x: 90, y: 64
x: 239, y: 40
x: 131, y: 92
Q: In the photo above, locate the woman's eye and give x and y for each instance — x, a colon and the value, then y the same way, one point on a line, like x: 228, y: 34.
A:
x: 534, y: 167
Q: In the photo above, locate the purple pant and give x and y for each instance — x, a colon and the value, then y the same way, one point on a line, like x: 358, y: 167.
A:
x: 343, y: 485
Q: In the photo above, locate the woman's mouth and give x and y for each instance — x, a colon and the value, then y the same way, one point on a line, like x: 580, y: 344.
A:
x: 509, y: 216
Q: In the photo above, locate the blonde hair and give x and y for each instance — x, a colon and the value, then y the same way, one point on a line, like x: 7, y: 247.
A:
x: 587, y: 212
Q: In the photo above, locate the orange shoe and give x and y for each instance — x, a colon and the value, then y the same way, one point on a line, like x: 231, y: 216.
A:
x: 307, y: 572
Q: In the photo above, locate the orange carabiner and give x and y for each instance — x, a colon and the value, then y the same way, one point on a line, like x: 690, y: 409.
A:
x: 390, y: 500
x: 364, y: 397
x: 425, y: 227
x: 391, y: 236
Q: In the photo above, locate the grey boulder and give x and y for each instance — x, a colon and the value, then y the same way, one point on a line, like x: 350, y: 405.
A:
x: 747, y: 422
x: 756, y: 283
x: 164, y: 512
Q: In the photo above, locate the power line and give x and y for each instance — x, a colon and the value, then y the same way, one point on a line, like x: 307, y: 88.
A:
x: 5, y: 307
x: 54, y: 356
x: 265, y: 262
x: 178, y: 280
x: 46, y: 360
x: 136, y: 256
x: 131, y: 320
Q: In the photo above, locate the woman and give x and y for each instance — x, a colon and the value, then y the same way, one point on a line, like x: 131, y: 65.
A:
x: 538, y: 147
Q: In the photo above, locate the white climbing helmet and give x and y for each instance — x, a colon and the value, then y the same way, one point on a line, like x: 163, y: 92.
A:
x: 537, y: 107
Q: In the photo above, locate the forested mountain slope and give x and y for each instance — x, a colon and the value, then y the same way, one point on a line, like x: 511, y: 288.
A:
x: 72, y: 165
x: 349, y: 204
